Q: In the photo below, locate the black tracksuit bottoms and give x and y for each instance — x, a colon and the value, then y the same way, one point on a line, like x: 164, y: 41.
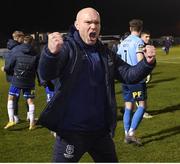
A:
x: 70, y: 147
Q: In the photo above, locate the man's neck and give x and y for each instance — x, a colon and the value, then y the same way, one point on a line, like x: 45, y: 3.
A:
x: 135, y: 33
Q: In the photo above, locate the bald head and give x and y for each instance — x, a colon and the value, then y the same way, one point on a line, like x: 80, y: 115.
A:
x: 88, y: 24
x: 84, y: 11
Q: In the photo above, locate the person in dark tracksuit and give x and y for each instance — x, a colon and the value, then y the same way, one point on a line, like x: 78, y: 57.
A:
x: 12, y: 44
x: 83, y: 110
x: 167, y: 43
x: 24, y: 67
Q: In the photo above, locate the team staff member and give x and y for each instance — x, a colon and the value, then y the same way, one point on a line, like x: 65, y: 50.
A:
x: 83, y: 110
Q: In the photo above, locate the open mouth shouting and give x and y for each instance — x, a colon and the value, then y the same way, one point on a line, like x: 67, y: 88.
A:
x: 92, y: 36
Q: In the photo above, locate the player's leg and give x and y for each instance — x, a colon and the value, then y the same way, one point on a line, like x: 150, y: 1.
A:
x: 140, y: 95
x: 137, y: 117
x: 127, y: 96
x: 29, y: 94
x: 127, y: 116
x: 16, y: 109
x: 13, y: 93
x: 27, y: 107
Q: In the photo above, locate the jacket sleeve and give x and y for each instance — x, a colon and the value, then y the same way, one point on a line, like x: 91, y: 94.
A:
x: 132, y: 74
x: 51, y: 66
x: 9, y: 64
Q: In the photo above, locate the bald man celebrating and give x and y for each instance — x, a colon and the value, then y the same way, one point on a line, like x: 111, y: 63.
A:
x: 83, y: 110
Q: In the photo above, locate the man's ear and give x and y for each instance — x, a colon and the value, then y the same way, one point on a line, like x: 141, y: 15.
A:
x: 76, y: 24
x: 130, y: 28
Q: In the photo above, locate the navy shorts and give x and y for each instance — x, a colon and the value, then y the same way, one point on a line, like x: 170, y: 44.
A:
x: 27, y: 93
x: 134, y: 92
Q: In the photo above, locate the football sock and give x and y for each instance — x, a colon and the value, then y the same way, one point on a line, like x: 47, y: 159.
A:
x: 10, y: 110
x: 31, y: 113
x: 137, y: 117
x: 127, y: 119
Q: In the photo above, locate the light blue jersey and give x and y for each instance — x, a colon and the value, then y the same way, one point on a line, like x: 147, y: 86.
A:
x: 129, y: 48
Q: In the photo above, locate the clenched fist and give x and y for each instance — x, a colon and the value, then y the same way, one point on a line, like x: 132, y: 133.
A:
x: 150, y: 53
x: 55, y: 42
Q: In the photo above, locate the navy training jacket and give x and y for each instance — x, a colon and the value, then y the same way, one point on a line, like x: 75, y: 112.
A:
x: 23, y: 64
x: 67, y: 65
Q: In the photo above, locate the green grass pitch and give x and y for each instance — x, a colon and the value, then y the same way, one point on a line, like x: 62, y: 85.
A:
x: 160, y: 134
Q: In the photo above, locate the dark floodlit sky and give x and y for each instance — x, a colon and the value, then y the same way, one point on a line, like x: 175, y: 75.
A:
x: 161, y: 17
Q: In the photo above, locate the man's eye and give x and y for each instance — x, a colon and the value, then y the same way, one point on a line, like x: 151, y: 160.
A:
x: 88, y: 22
